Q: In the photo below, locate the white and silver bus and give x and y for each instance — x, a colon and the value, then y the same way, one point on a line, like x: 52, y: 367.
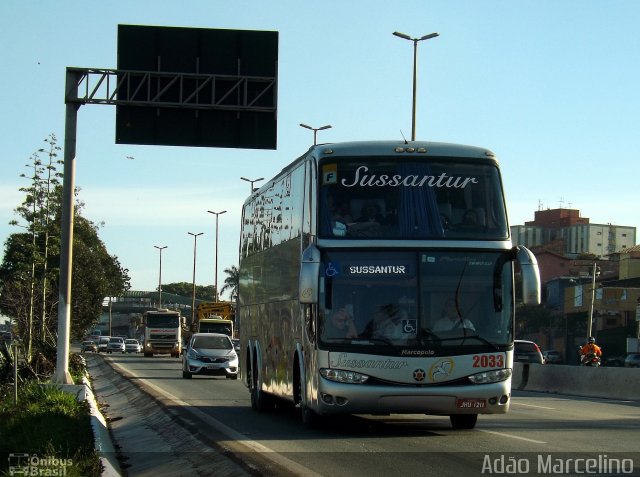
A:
x: 377, y: 278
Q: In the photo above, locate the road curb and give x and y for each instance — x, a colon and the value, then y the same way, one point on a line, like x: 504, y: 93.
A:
x: 102, y: 439
x: 103, y: 444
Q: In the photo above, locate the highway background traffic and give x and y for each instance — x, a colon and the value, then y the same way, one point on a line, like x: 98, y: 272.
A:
x: 217, y: 416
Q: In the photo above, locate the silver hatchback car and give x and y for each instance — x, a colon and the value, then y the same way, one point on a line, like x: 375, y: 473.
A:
x: 210, y: 354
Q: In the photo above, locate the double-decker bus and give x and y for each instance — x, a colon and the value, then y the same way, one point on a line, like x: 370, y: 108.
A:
x: 379, y: 278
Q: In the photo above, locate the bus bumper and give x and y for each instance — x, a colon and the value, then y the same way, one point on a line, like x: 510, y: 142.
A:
x: 341, y: 398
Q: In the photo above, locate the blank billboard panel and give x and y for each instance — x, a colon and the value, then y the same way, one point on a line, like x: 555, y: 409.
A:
x: 205, y: 87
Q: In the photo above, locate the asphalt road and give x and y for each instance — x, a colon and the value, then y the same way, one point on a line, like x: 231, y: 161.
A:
x: 543, y: 434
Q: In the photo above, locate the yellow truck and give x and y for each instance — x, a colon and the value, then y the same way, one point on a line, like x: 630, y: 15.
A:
x: 215, y: 317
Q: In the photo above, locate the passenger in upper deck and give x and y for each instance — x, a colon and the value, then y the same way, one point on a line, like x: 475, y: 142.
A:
x: 470, y: 218
x: 370, y: 221
x: 472, y: 221
x: 340, y: 217
x: 371, y: 213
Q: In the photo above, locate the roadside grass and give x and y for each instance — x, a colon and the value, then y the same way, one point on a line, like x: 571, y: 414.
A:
x: 50, y: 429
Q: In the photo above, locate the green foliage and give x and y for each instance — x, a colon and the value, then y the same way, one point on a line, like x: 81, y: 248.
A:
x: 49, y: 423
x: 29, y: 271
x: 186, y: 289
x: 96, y: 274
x: 232, y: 281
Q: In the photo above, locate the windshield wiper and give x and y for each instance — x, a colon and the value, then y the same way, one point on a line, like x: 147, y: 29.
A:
x: 364, y: 341
x: 465, y: 337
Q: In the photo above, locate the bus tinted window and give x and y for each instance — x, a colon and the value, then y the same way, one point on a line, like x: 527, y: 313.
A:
x: 379, y: 199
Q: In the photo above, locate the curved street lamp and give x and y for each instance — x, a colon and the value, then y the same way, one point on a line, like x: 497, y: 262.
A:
x: 315, y: 131
x: 415, y: 59
x: 252, y: 181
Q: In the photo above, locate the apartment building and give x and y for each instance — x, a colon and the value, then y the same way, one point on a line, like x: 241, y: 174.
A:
x: 570, y: 234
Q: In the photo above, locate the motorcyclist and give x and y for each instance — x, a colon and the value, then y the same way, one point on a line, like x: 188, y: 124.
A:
x: 590, y: 348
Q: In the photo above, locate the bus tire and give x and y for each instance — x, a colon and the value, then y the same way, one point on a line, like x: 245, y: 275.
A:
x: 310, y: 418
x: 463, y: 421
x: 260, y: 401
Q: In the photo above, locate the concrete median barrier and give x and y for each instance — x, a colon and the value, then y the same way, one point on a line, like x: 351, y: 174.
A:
x: 602, y: 382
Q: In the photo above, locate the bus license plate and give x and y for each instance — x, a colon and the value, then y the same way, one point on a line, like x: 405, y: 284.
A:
x: 471, y: 403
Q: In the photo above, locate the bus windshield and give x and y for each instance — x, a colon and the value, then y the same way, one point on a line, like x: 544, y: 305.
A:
x: 427, y: 303
x: 444, y: 198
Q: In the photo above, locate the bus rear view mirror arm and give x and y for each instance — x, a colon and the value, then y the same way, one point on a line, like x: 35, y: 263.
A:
x: 309, y: 275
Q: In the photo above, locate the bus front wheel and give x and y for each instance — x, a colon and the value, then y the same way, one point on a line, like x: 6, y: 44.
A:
x: 463, y: 421
x: 309, y: 417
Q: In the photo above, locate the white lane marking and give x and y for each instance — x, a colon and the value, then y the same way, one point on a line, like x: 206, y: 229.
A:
x: 511, y: 436
x: 236, y: 437
x: 514, y: 403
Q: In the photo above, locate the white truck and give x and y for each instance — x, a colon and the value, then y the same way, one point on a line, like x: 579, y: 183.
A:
x: 162, y: 333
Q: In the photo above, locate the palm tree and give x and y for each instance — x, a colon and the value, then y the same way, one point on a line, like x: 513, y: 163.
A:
x: 232, y: 281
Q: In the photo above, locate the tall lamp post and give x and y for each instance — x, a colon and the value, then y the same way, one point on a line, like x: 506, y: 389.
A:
x: 252, y: 181
x: 593, y: 295
x: 160, y: 249
x: 215, y: 264
x: 415, y: 60
x: 315, y: 131
x: 193, y: 293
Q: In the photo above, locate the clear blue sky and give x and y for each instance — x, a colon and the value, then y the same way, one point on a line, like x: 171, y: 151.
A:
x: 551, y: 87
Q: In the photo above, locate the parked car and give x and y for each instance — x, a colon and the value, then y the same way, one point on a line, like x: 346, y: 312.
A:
x: 89, y: 346
x: 632, y: 360
x: 211, y: 354
x: 613, y: 361
x: 132, y: 346
x: 103, y: 344
x: 116, y: 344
x: 551, y: 356
x: 527, y: 352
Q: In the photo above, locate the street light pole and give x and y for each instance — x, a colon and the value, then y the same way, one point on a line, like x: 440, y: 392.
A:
x: 315, y: 131
x: 415, y: 74
x: 193, y: 294
x: 160, y: 249
x: 252, y: 181
x: 593, y: 294
x: 215, y: 265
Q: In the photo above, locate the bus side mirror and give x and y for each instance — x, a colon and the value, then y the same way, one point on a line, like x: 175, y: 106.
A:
x: 309, y: 276
x: 530, y: 276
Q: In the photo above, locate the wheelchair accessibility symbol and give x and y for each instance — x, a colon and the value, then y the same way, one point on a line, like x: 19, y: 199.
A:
x: 331, y: 270
x: 410, y: 327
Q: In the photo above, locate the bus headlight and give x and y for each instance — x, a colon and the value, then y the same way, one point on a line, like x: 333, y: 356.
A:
x: 342, y: 376
x: 494, y: 376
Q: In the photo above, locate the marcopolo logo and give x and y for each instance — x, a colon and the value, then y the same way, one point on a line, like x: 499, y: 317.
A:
x: 22, y: 464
